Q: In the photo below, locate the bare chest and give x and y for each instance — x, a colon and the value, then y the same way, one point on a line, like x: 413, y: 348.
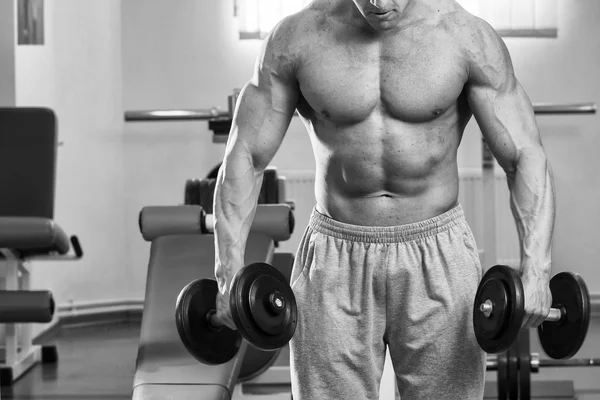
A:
x: 410, y: 78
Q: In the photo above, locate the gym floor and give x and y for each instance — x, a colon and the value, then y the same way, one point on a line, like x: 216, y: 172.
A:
x: 94, y: 362
x: 98, y: 362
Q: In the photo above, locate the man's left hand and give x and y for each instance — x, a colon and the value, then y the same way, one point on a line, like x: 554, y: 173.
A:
x: 538, y: 300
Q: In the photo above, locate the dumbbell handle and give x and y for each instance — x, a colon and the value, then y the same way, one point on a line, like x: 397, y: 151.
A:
x: 554, y: 315
x: 214, y: 322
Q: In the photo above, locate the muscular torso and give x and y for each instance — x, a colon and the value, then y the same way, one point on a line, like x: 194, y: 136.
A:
x: 385, y: 114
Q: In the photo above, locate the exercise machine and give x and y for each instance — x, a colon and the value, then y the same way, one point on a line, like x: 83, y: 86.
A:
x: 182, y: 251
x: 219, y: 121
x: 28, y: 233
x: 515, y: 367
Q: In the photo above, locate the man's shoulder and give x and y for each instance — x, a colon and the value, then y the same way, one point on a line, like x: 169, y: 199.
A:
x: 470, y: 31
x: 295, y: 26
x: 461, y: 24
x: 480, y: 45
x: 291, y: 37
x: 478, y: 40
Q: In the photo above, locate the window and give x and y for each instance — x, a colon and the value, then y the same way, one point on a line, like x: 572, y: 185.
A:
x: 511, y: 18
x: 517, y: 18
x: 257, y: 17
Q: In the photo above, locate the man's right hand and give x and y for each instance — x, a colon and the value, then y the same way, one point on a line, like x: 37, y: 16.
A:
x: 224, y: 311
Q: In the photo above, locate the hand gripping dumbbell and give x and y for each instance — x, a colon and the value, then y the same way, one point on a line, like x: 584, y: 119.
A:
x: 262, y: 303
x: 499, y: 310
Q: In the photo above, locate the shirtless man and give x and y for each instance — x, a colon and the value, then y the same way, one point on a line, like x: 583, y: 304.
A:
x: 385, y: 90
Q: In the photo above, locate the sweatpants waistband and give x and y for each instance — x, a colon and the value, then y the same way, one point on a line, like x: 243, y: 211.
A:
x: 386, y: 234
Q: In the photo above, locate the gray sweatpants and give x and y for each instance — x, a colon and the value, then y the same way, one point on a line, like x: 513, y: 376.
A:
x: 411, y: 288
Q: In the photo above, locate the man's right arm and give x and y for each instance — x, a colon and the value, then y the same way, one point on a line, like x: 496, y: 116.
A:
x: 265, y: 107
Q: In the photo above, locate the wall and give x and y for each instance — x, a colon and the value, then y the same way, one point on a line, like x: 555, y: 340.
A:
x: 78, y: 74
x: 7, y: 54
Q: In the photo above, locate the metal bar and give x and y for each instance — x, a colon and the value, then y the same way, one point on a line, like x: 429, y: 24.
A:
x: 174, y: 115
x: 556, y: 109
x: 492, y: 363
x: 204, y: 114
x: 574, y: 362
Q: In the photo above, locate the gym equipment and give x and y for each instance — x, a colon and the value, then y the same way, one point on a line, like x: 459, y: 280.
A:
x: 201, y: 191
x: 213, y: 173
x: 164, y: 366
x: 514, y: 368
x: 218, y: 121
x: 215, y: 112
x: 256, y: 361
x: 498, y: 312
x: 191, y: 192
x: 524, y: 362
x: 208, y: 343
x: 262, y: 303
x: 275, y: 220
x: 498, y: 309
x: 28, y: 146
x: 19, y: 306
x: 563, y: 332
x: 557, y: 109
x: 263, y: 308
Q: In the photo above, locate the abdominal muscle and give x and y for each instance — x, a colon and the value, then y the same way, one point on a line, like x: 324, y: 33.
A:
x: 400, y: 175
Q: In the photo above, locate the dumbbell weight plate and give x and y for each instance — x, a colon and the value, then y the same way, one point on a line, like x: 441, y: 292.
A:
x: 251, y: 311
x: 502, y: 376
x: 503, y: 287
x: 563, y: 339
x: 206, y: 344
x: 513, y: 371
x: 524, y: 366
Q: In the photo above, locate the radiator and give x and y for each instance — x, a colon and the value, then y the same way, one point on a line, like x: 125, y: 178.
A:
x: 300, y: 189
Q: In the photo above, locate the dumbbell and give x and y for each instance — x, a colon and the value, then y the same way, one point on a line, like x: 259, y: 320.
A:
x: 499, y: 309
x: 262, y: 303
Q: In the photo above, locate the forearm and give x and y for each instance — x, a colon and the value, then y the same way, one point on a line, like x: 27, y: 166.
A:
x: 532, y: 203
x: 236, y: 194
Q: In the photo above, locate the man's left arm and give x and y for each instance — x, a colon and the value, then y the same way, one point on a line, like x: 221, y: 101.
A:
x: 506, y: 118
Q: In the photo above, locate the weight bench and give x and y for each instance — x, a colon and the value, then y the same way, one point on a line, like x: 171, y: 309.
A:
x: 28, y: 143
x: 179, y: 254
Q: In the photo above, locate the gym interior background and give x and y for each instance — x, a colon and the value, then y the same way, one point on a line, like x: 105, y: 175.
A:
x: 102, y: 57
